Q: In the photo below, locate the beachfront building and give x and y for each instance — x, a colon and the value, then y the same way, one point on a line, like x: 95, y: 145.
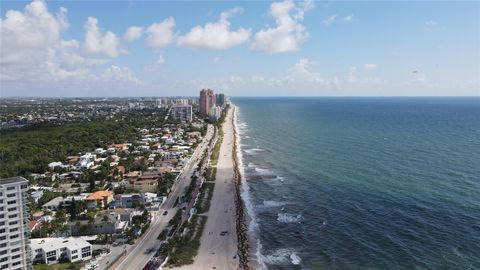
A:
x: 215, y: 112
x: 207, y: 101
x: 15, y: 251
x: 51, y: 250
x: 182, y: 113
x: 220, y: 99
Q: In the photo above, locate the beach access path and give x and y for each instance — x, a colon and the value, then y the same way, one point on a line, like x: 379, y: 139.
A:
x: 219, y: 251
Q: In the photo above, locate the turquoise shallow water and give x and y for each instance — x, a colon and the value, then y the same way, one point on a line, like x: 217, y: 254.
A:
x: 363, y: 183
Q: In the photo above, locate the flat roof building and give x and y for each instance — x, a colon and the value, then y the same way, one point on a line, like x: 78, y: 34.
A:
x: 15, y: 251
x: 207, y: 100
x: 220, y: 99
x: 51, y: 250
x: 53, y: 204
x: 182, y: 113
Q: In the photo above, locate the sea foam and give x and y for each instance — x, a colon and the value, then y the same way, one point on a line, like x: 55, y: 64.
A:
x: 252, y: 151
x: 245, y: 188
x: 268, y: 203
x: 295, y: 258
x: 282, y: 256
x: 288, y: 218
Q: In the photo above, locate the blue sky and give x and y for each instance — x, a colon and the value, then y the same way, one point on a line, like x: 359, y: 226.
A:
x: 256, y: 48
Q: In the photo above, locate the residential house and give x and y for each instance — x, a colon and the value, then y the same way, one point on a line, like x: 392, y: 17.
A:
x: 53, y: 204
x: 100, y: 199
x: 86, y: 161
x: 129, y: 200
x: 108, y: 223
x: 148, y: 182
x: 36, y: 195
x: 143, y: 184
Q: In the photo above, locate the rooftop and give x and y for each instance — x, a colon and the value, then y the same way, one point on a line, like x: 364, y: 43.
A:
x: 55, y: 243
x: 54, y: 202
x: 99, y: 195
x: 10, y: 180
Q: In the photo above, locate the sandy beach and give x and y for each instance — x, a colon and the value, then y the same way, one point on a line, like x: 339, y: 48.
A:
x: 220, y: 251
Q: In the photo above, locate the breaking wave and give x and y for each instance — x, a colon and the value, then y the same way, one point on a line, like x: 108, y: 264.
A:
x: 288, y: 218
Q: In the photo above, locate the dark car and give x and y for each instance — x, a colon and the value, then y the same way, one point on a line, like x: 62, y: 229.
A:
x: 165, y: 213
x: 150, y: 250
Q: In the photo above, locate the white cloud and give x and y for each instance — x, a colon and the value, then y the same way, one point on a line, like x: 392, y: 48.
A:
x: 299, y: 79
x: 418, y: 78
x: 303, y: 7
x: 62, y: 18
x: 33, y: 52
x: 288, y: 34
x: 300, y: 76
x: 119, y: 74
x: 370, y: 66
x: 257, y: 78
x: 160, y: 60
x: 133, y: 33
x: 25, y: 34
x: 98, y: 42
x: 431, y: 23
x: 334, y: 17
x: 348, y: 18
x: 330, y: 19
x: 217, y: 35
x: 352, y: 75
x: 32, y: 48
x: 299, y: 72
x: 155, y: 65
x: 160, y: 34
x: 64, y: 62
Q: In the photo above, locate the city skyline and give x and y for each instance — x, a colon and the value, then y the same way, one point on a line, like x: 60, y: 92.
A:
x: 285, y: 48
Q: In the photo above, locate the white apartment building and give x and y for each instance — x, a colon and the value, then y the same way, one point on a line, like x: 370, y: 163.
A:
x: 15, y: 251
x: 215, y: 112
x: 51, y: 250
x: 182, y: 113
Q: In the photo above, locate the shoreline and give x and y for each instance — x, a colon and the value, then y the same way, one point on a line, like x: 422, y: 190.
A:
x: 241, y: 216
x: 227, y: 213
x: 219, y: 245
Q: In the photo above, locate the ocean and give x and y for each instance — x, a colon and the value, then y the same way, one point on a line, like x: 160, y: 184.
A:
x: 362, y: 183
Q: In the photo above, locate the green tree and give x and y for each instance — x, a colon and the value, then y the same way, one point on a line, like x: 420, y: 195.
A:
x: 60, y: 216
x: 91, y: 186
x: 73, y: 210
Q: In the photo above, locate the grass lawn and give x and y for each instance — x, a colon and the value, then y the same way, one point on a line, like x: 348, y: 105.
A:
x: 58, y: 266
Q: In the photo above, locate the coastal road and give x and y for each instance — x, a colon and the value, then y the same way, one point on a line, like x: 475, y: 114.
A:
x: 219, y: 250
x: 136, y: 256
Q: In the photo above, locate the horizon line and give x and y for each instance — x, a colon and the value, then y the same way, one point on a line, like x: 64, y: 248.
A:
x: 306, y: 96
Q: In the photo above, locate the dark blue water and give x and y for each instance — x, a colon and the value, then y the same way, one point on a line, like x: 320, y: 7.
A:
x: 363, y: 183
